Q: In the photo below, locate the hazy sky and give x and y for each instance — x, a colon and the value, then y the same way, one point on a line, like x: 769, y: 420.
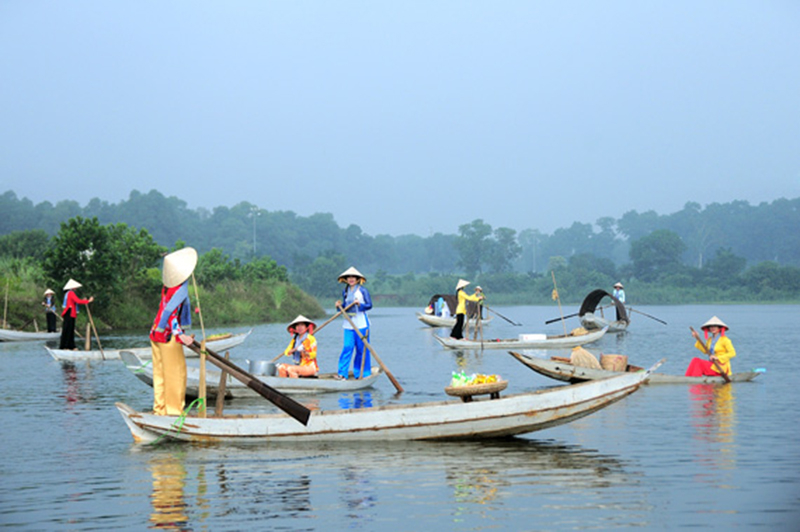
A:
x: 404, y: 117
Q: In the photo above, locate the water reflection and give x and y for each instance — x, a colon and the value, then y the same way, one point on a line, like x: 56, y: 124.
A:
x: 168, y: 499
x: 358, y: 494
x: 75, y: 390
x: 714, y: 422
x: 355, y: 400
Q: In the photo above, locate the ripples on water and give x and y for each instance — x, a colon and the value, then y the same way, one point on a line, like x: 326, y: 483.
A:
x: 667, y: 457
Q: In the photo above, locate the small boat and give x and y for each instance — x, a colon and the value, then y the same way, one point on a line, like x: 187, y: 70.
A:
x: 442, y: 420
x: 325, y: 382
x: 7, y: 335
x: 525, y: 341
x: 218, y: 343
x: 439, y: 321
x: 592, y: 321
x: 560, y: 369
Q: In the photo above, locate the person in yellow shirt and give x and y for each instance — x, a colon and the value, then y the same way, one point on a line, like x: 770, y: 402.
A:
x: 461, y: 308
x: 718, y: 347
x: 302, y: 348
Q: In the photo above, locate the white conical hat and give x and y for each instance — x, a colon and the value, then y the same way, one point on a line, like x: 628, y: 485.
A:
x: 351, y: 272
x: 48, y: 291
x: 461, y: 284
x: 178, y: 266
x: 72, y: 284
x: 618, y: 285
x: 301, y: 319
x: 714, y: 321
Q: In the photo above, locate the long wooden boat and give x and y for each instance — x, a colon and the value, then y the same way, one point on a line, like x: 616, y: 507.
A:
x: 7, y: 335
x: 532, y: 341
x: 438, y: 321
x: 218, y: 344
x: 592, y: 321
x: 564, y: 371
x: 444, y: 420
x: 326, y: 382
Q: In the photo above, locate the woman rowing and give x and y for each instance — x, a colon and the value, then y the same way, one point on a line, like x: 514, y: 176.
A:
x: 717, y: 346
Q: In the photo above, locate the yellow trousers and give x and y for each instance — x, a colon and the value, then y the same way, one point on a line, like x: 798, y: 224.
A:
x: 169, y: 378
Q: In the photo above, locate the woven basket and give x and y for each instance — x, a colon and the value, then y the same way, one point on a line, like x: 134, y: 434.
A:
x: 476, y: 389
x: 614, y: 362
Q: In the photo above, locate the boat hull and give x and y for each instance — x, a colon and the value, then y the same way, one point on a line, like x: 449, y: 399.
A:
x: 551, y: 342
x: 438, y: 321
x: 7, y: 335
x: 447, y: 420
x: 591, y: 321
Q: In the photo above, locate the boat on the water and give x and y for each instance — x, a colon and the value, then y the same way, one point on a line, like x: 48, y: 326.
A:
x: 440, y: 321
x: 325, y: 382
x: 442, y: 420
x: 525, y: 341
x: 591, y: 320
x: 8, y: 335
x: 561, y: 369
x: 217, y: 342
x: 434, y: 318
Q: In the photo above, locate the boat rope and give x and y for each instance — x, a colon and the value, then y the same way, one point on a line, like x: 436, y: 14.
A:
x: 141, y: 368
x: 178, y: 423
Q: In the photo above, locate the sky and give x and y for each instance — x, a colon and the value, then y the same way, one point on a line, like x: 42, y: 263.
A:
x: 404, y: 117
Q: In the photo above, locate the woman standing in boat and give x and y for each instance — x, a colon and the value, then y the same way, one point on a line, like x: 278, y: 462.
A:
x: 461, y: 308
x: 50, y: 309
x: 354, y: 292
x: 718, y: 347
x: 302, y: 348
x: 167, y: 337
x: 70, y: 312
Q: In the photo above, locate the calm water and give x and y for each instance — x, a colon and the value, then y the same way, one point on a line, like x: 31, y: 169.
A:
x: 666, y: 457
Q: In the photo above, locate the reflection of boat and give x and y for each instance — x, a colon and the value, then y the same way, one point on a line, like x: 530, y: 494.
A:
x: 7, y: 335
x: 217, y: 343
x: 560, y: 369
x: 439, y: 321
x: 592, y: 321
x: 525, y: 341
x: 444, y: 420
x: 325, y: 382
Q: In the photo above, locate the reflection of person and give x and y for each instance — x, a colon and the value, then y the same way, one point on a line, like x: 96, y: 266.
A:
x: 302, y: 348
x: 719, y: 349
x: 461, y: 309
x: 356, y: 293
x: 50, y: 309
x: 169, y: 481
x: 619, y: 293
x: 70, y: 312
x: 167, y: 337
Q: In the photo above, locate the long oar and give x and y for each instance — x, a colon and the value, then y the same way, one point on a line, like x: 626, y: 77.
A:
x: 89, y: 313
x: 374, y: 354
x: 318, y: 329
x: 284, y: 402
x: 648, y: 315
x: 548, y: 322
x: 716, y: 364
x: 495, y: 312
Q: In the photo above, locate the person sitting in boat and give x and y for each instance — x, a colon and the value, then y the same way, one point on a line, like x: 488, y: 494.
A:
x: 461, y: 309
x: 619, y: 293
x: 445, y: 310
x: 70, y: 312
x: 50, y: 309
x: 302, y: 348
x: 718, y: 347
x: 354, y: 292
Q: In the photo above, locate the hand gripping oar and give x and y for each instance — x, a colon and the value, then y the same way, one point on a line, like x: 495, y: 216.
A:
x: 284, y: 402
x: 495, y: 312
x: 648, y: 315
x: 318, y: 329
x: 374, y: 354
x: 716, y: 364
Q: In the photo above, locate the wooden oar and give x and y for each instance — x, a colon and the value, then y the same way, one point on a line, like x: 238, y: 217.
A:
x: 705, y: 350
x: 648, y: 315
x: 223, y: 381
x: 316, y: 330
x: 284, y: 402
x: 89, y: 313
x: 495, y: 312
x: 374, y: 354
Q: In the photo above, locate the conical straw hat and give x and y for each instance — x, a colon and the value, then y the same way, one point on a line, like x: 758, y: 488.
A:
x: 461, y: 284
x: 301, y: 319
x: 48, y: 291
x: 72, y: 284
x: 351, y: 272
x: 714, y: 321
x: 178, y: 266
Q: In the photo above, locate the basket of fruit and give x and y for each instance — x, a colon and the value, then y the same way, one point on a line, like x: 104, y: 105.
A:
x: 466, y: 386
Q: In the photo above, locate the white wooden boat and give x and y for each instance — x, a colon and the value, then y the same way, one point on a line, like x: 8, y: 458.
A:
x: 438, y: 321
x: 525, y: 341
x: 444, y: 420
x: 564, y: 371
x: 325, y: 382
x: 592, y: 321
x: 217, y: 344
x: 7, y: 335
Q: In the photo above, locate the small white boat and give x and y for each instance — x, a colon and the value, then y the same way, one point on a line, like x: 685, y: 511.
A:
x: 444, y: 420
x: 592, y: 321
x: 561, y: 370
x: 439, y: 321
x: 7, y: 335
x: 221, y: 343
x: 325, y: 382
x: 525, y: 341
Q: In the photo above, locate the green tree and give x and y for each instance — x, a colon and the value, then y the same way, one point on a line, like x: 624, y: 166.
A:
x: 657, y: 254
x: 473, y: 245
x: 504, y: 250
x: 21, y: 244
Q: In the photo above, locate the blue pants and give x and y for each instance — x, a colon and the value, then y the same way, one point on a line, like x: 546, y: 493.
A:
x: 353, y: 342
